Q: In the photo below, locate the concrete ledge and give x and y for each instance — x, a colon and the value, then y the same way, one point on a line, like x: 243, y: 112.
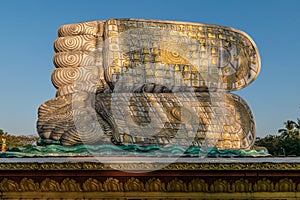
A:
x: 149, y: 163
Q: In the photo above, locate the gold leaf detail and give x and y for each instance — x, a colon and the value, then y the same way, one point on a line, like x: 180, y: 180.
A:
x: 220, y: 186
x: 27, y: 185
x: 7, y: 185
x: 92, y: 185
x: 263, y: 185
x: 112, y: 185
x: 285, y: 185
x: 155, y: 185
x: 176, y: 185
x: 70, y: 185
x: 134, y: 184
x: 49, y: 185
x: 198, y: 185
x: 242, y: 185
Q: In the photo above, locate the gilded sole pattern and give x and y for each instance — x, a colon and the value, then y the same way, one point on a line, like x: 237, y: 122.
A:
x: 126, y: 55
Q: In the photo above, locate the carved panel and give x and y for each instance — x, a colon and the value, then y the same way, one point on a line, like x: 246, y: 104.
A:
x: 112, y: 185
x: 266, y: 166
x: 149, y: 184
x: 92, y: 185
x: 134, y: 184
x: 176, y: 185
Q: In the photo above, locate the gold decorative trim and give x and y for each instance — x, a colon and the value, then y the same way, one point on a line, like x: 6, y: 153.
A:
x: 150, y: 185
x: 149, y: 166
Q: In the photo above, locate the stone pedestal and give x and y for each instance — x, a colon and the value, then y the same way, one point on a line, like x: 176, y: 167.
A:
x: 134, y: 178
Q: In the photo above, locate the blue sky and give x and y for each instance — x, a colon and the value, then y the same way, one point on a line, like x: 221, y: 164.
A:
x: 29, y: 28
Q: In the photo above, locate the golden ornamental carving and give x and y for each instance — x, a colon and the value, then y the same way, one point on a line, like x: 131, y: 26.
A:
x: 298, y: 187
x: 49, y: 185
x: 70, y: 185
x: 134, y: 184
x: 198, y: 185
x: 264, y: 185
x: 176, y: 185
x: 149, y: 184
x: 242, y: 185
x: 220, y: 186
x: 266, y: 166
x: 92, y: 185
x: 285, y: 185
x: 8, y: 185
x: 28, y: 185
x: 155, y: 185
x: 112, y: 185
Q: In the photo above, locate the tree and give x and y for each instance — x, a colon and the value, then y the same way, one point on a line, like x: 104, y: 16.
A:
x: 287, y: 143
x: 271, y: 142
x: 297, y: 127
x: 2, y: 133
x: 17, y: 141
x: 290, y: 129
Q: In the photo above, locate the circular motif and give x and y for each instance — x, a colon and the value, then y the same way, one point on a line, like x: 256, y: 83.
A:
x: 181, y: 114
x: 225, y: 57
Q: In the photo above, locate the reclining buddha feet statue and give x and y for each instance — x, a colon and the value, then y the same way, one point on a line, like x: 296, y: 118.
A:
x: 146, y: 82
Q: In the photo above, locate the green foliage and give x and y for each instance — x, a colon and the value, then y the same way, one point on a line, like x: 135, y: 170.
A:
x: 271, y: 142
x: 17, y: 140
x: 287, y: 143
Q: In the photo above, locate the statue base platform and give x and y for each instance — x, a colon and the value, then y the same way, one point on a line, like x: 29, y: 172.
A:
x: 149, y: 178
